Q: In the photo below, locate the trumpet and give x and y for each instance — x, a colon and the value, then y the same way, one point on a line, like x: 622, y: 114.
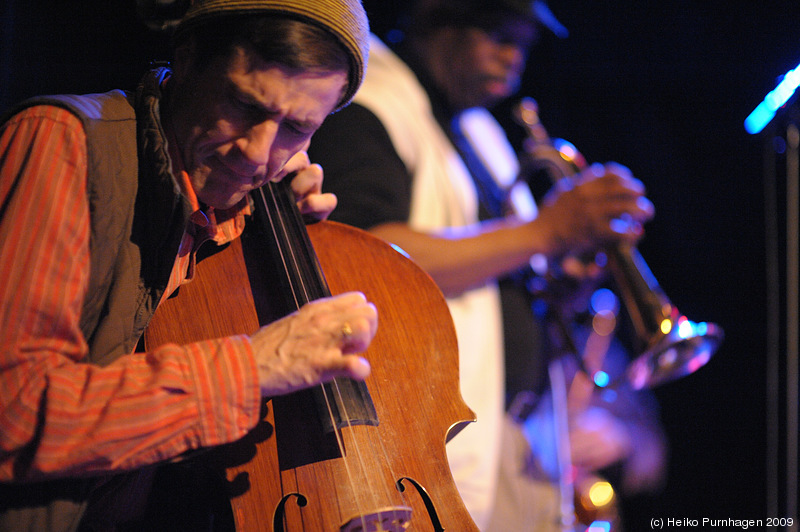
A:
x: 668, y: 344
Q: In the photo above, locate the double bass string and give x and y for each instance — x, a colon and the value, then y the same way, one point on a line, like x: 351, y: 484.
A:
x: 287, y: 241
x: 284, y: 245
x: 288, y: 253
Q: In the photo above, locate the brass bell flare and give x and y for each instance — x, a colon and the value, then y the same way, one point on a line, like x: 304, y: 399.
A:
x: 686, y: 348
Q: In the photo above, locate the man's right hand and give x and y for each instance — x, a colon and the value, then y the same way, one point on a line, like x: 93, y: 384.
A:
x: 316, y: 344
x: 601, y: 205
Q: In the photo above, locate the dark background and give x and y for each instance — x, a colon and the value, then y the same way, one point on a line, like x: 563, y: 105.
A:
x: 662, y: 87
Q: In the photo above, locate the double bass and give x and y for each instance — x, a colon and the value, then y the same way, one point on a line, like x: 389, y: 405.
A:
x: 347, y: 455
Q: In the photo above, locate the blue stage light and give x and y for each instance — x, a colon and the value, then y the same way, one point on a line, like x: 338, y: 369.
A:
x: 774, y: 100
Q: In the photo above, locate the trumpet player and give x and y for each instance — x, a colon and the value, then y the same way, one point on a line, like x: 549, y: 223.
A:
x: 400, y: 162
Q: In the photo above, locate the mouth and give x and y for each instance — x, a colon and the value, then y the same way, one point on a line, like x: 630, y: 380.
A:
x: 506, y: 80
x: 236, y: 175
x: 500, y: 86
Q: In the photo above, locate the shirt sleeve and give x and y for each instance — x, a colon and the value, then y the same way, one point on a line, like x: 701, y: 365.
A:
x: 58, y: 415
x: 362, y: 168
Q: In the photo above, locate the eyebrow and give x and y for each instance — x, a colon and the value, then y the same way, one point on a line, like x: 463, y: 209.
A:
x: 251, y: 99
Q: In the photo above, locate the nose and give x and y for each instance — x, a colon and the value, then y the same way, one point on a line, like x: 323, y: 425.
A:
x: 512, y: 56
x: 256, y: 143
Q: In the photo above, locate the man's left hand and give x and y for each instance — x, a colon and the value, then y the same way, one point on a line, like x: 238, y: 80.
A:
x: 307, y: 187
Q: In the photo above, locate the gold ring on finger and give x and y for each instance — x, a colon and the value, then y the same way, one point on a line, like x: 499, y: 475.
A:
x: 347, y: 331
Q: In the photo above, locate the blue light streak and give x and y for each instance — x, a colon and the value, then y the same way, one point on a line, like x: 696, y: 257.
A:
x: 774, y: 100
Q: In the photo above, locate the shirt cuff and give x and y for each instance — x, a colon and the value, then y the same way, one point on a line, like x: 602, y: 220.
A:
x: 228, y: 392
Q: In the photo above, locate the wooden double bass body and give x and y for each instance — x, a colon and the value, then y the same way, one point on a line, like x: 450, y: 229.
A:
x: 345, y: 456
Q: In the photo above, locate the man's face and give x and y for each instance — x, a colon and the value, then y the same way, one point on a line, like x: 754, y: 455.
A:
x: 485, y: 66
x: 238, y: 121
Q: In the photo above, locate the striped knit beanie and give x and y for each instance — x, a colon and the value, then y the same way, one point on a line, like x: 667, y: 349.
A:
x: 344, y: 19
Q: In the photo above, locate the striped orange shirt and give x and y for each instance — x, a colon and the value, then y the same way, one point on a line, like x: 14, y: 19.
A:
x: 61, y: 417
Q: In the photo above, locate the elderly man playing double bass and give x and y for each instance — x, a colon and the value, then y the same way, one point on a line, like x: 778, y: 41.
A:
x: 105, y: 199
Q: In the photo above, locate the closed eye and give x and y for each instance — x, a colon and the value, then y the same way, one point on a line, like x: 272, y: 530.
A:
x: 298, y: 130
x: 252, y: 112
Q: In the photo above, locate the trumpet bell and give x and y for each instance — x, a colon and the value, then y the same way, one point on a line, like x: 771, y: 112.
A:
x: 670, y: 345
x: 684, y: 349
